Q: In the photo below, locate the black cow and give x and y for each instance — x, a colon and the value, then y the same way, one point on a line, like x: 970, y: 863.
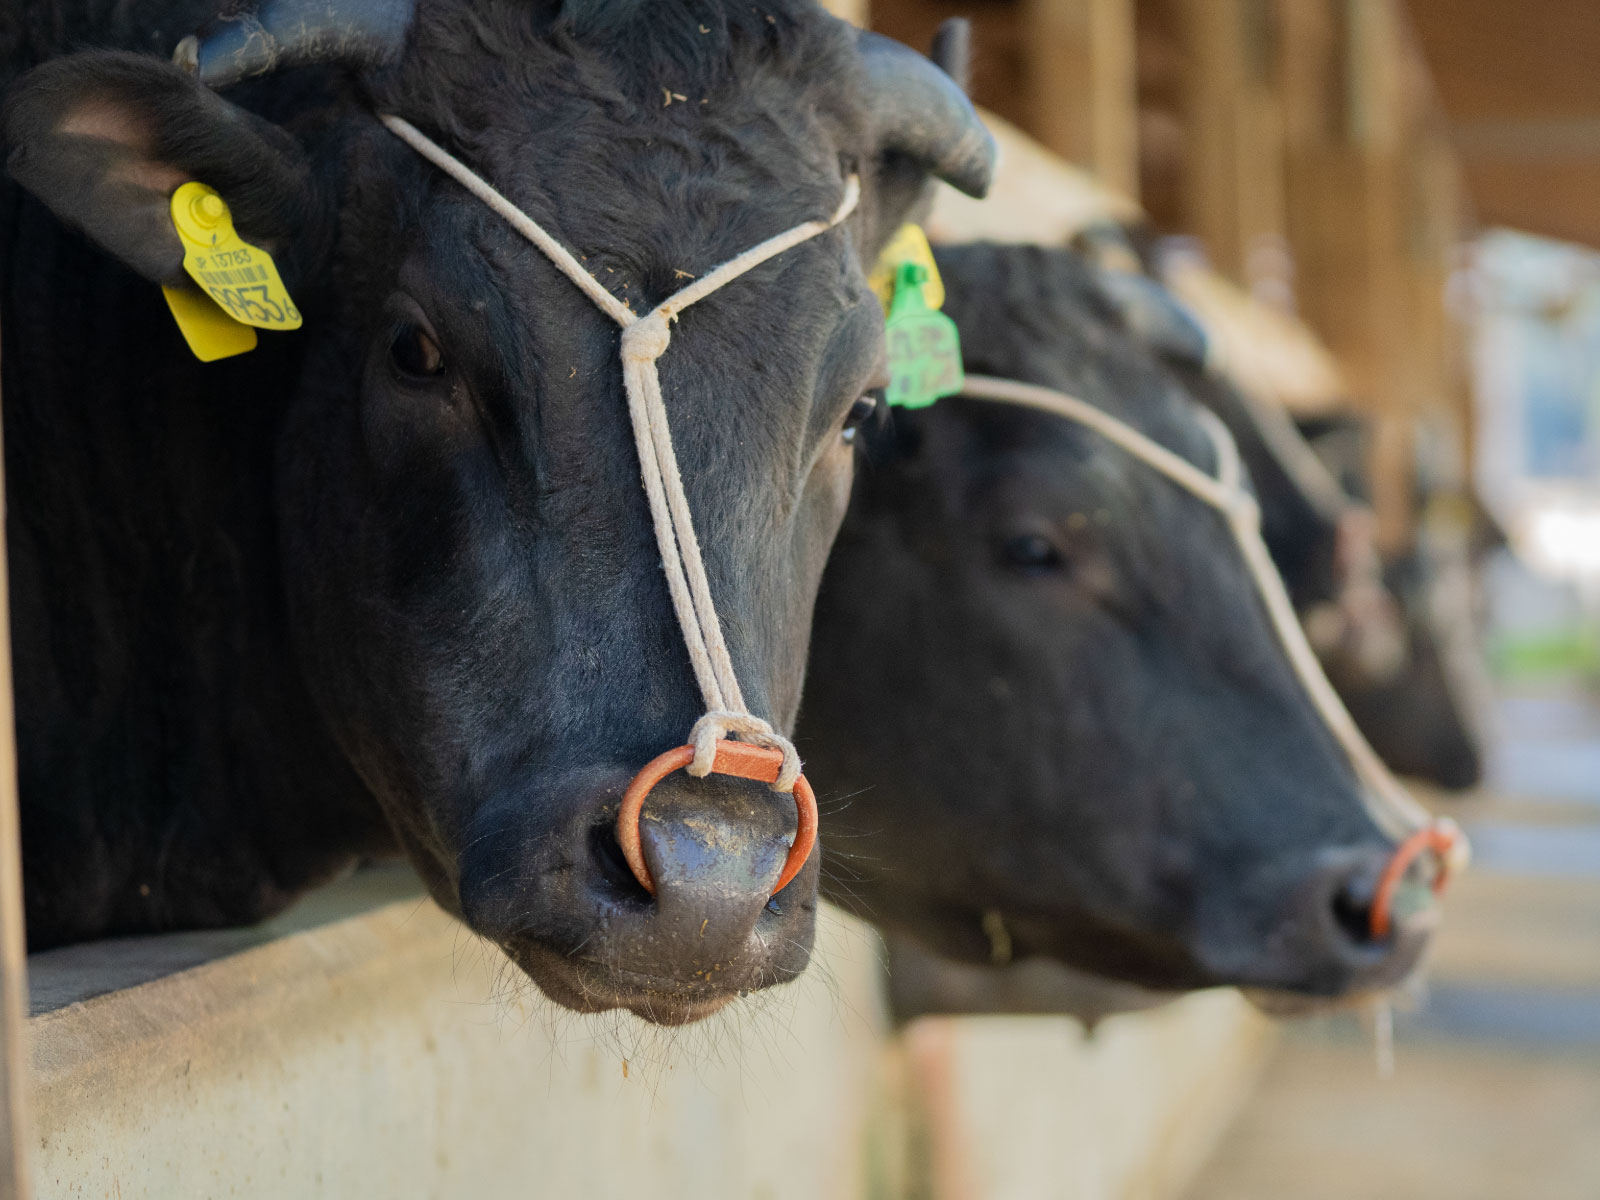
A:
x: 1426, y: 714
x: 1428, y: 718
x: 391, y: 579
x: 1045, y: 682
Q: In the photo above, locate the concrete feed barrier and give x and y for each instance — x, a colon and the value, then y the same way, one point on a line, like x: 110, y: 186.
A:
x: 369, y: 1046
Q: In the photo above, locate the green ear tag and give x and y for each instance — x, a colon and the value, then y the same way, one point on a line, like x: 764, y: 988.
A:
x: 924, y: 348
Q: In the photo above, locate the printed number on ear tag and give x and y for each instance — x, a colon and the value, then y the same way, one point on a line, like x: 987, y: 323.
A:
x: 242, y: 279
x: 924, y: 347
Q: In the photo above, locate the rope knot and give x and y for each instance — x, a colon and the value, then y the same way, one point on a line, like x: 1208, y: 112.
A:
x: 717, y: 725
x: 646, y: 339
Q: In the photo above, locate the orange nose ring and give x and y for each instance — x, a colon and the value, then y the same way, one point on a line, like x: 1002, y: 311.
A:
x: 1442, y: 840
x: 760, y: 763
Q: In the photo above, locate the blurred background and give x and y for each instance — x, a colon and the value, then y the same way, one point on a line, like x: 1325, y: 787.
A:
x: 1391, y: 210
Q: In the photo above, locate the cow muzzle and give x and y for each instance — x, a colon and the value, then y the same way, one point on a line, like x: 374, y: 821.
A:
x: 723, y: 914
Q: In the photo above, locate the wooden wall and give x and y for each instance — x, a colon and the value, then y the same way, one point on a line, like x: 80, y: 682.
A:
x: 1521, y: 85
x: 1303, y: 144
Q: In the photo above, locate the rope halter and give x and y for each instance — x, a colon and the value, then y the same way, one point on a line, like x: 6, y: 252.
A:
x: 761, y: 753
x: 1386, y: 800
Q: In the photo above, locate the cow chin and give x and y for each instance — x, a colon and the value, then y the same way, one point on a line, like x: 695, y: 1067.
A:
x: 1297, y: 1005
x: 587, y: 986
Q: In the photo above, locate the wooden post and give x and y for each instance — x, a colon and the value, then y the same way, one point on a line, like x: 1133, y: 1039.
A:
x: 1079, y: 85
x: 16, y: 1132
x: 1234, y: 157
x: 1376, y: 208
x: 854, y: 11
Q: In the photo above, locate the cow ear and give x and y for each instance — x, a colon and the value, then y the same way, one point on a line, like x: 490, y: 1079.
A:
x: 104, y: 138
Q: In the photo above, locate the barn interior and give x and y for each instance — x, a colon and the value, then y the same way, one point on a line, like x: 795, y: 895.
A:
x: 1383, y: 215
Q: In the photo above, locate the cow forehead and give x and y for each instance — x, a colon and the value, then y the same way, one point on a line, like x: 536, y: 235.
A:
x: 663, y: 210
x: 620, y: 78
x: 642, y: 215
x: 662, y: 142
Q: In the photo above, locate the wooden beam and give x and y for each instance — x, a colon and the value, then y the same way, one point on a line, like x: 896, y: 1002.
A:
x: 854, y: 11
x: 1311, y: 85
x: 1079, y: 85
x: 1345, y: 229
x: 1497, y: 61
x: 1036, y: 197
x: 1376, y: 212
x: 1518, y: 84
x: 1233, y: 163
x: 1552, y: 199
x: 16, y: 1130
x: 1344, y: 176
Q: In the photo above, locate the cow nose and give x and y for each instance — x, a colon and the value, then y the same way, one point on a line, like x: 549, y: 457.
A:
x: 715, y: 849
x: 1345, y: 889
x: 713, y: 875
x: 563, y: 902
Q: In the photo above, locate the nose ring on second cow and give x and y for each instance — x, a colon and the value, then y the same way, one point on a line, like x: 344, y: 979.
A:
x: 1445, y: 839
x: 740, y: 759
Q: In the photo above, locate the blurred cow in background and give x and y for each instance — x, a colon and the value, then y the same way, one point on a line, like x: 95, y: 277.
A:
x: 1048, y: 686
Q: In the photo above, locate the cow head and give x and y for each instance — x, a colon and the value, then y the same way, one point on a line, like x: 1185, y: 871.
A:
x: 475, y: 595
x: 1427, y: 719
x: 1425, y: 714
x: 1045, y: 681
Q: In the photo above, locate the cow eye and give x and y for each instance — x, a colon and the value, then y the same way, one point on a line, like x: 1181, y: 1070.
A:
x: 1032, y: 553
x: 860, y: 413
x: 415, y: 354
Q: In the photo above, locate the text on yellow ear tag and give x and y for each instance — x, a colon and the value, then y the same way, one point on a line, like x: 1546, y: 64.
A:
x: 908, y: 245
x: 210, y: 332
x: 241, y: 278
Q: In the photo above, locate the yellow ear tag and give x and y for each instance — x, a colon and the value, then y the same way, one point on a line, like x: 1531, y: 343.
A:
x: 210, y: 332
x: 908, y: 245
x: 241, y: 278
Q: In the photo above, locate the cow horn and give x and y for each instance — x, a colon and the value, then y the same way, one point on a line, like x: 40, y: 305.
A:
x: 924, y: 114
x: 952, y: 51
x: 293, y: 33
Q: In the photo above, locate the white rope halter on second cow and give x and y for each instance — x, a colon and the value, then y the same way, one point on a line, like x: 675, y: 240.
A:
x: 1391, y: 807
x: 644, y: 340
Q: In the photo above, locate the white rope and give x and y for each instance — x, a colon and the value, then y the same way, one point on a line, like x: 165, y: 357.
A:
x: 1386, y: 800
x: 644, y: 340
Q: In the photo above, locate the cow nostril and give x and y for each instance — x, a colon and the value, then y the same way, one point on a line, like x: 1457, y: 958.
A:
x: 1352, y: 908
x: 613, y: 867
